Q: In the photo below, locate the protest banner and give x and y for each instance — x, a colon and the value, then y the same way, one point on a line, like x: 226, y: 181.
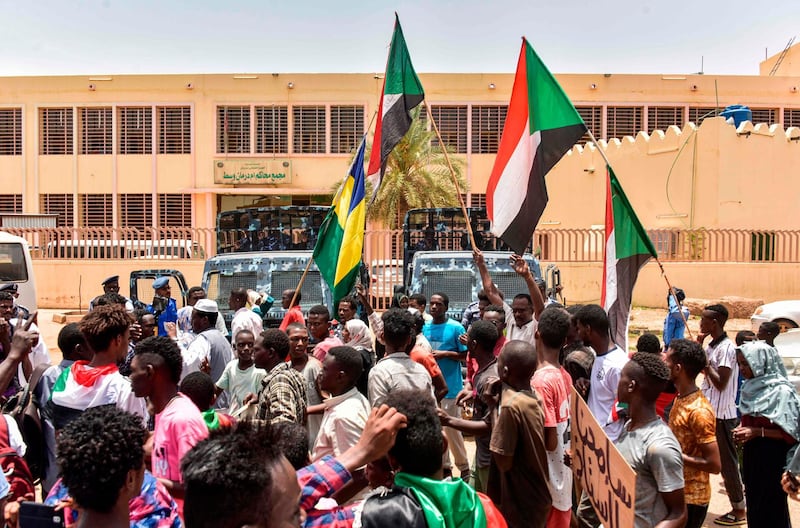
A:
x: 603, y: 473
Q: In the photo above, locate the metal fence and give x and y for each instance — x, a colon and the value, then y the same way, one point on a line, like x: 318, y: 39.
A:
x: 383, y: 249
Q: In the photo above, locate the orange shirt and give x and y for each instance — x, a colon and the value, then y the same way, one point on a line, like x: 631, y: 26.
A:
x: 693, y: 423
x: 423, y: 357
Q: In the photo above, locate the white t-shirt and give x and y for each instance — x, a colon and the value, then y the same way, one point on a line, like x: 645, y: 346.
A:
x: 722, y: 354
x: 239, y: 383
x: 526, y: 332
x: 606, y: 371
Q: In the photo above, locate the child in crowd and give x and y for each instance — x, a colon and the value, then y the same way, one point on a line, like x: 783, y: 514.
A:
x: 240, y: 377
x: 200, y: 389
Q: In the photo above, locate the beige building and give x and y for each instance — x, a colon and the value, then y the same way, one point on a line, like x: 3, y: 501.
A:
x: 140, y: 151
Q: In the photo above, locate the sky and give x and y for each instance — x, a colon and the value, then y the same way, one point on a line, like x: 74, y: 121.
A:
x: 92, y: 37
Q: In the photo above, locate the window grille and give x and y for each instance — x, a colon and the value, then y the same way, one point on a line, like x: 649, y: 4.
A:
x: 10, y: 131
x: 175, y: 210
x: 272, y: 130
x: 791, y: 117
x: 452, y: 124
x: 698, y: 114
x: 95, y: 130
x: 58, y: 204
x: 55, y: 131
x: 347, y: 128
x: 96, y: 210
x: 477, y: 200
x: 764, y: 115
x: 487, y: 128
x: 135, y: 130
x: 662, y: 117
x: 593, y: 117
x: 136, y: 210
x: 10, y: 203
x: 762, y: 246
x: 233, y: 129
x: 309, y: 129
x: 623, y: 121
x: 174, y: 130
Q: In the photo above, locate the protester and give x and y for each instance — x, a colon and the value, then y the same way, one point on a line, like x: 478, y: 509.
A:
x: 240, y: 376
x: 648, y: 445
x: 309, y: 368
x: 770, y: 426
x: 418, y: 302
x: 397, y: 371
x: 518, y: 474
x: 199, y: 388
x: 719, y: 386
x: 677, y: 315
x: 347, y: 311
x: 243, y: 317
x: 422, y: 353
x: 179, y: 425
x: 184, y: 322
x: 282, y: 397
x: 693, y: 423
x: 294, y: 313
x: 474, y: 310
x: 319, y: 328
x: 553, y: 385
x: 768, y: 331
x: 650, y: 344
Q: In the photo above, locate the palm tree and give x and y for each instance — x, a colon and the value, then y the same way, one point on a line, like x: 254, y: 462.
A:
x: 416, y: 176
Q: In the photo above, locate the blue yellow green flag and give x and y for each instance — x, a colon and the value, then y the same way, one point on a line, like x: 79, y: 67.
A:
x: 341, y: 237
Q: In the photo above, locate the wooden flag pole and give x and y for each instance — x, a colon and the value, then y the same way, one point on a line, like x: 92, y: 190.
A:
x: 302, y: 280
x: 455, y: 180
x: 658, y: 261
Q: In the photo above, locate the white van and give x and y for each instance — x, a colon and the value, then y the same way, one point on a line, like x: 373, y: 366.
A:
x: 16, y: 266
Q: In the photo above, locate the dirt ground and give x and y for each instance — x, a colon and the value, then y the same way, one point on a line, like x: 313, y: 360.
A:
x: 642, y: 320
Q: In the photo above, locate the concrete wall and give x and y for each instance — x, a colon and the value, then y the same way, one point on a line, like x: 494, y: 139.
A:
x: 70, y: 284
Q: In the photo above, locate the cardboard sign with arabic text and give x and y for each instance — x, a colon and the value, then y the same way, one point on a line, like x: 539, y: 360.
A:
x: 601, y: 470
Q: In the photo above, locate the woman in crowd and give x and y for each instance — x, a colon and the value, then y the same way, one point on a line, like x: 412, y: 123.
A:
x: 770, y: 426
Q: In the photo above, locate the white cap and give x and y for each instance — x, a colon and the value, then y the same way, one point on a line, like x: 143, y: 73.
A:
x: 207, y: 306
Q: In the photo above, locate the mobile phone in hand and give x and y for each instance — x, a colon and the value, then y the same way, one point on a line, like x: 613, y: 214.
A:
x: 37, y: 515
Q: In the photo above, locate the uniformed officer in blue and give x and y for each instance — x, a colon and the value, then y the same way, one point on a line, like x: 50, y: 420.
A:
x: 165, y: 311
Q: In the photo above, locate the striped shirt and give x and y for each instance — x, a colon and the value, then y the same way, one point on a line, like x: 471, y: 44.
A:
x: 722, y: 353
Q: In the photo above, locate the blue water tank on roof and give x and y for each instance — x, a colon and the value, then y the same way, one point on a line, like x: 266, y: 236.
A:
x: 739, y: 114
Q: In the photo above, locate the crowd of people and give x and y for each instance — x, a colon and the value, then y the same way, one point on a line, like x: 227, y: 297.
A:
x: 163, y: 417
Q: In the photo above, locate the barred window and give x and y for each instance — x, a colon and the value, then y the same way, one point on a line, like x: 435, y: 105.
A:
x: 477, y: 200
x: 762, y: 246
x: 233, y: 130
x: 136, y: 210
x: 136, y: 130
x: 174, y: 129
x: 95, y: 130
x: 487, y: 128
x: 96, y: 210
x: 662, y: 117
x: 309, y: 129
x: 764, y: 115
x: 10, y: 203
x: 10, y: 131
x: 698, y: 114
x: 175, y: 210
x: 623, y: 121
x: 55, y: 131
x: 593, y: 117
x: 272, y: 129
x: 791, y: 117
x: 452, y: 124
x: 347, y: 128
x: 61, y: 205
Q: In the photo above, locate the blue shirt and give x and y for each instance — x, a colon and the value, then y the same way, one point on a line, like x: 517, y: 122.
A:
x: 444, y: 337
x: 169, y: 315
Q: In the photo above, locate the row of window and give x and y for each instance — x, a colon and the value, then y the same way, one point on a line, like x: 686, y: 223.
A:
x: 96, y: 210
x: 315, y: 129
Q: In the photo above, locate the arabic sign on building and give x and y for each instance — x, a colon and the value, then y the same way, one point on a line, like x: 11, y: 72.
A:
x: 252, y: 171
x: 603, y: 473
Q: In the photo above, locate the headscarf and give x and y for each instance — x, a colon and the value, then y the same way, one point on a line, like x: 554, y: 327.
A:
x: 360, y: 335
x: 769, y: 393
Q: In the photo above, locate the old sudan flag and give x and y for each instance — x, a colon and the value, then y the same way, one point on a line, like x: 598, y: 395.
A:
x: 628, y: 248
x: 541, y: 126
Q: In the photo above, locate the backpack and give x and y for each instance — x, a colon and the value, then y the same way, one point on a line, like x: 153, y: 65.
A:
x: 15, y: 469
x: 22, y: 407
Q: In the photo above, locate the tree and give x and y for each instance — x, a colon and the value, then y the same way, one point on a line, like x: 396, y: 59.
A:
x: 416, y: 176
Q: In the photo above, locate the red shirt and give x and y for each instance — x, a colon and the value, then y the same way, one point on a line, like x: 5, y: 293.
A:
x: 293, y: 315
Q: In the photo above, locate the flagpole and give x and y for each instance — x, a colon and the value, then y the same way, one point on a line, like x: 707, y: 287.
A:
x: 658, y: 261
x: 302, y: 280
x: 453, y: 175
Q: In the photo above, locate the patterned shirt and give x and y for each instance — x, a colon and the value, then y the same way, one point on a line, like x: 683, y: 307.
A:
x: 283, y: 396
x: 153, y: 508
x: 721, y: 352
x: 693, y: 423
x: 322, y: 479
